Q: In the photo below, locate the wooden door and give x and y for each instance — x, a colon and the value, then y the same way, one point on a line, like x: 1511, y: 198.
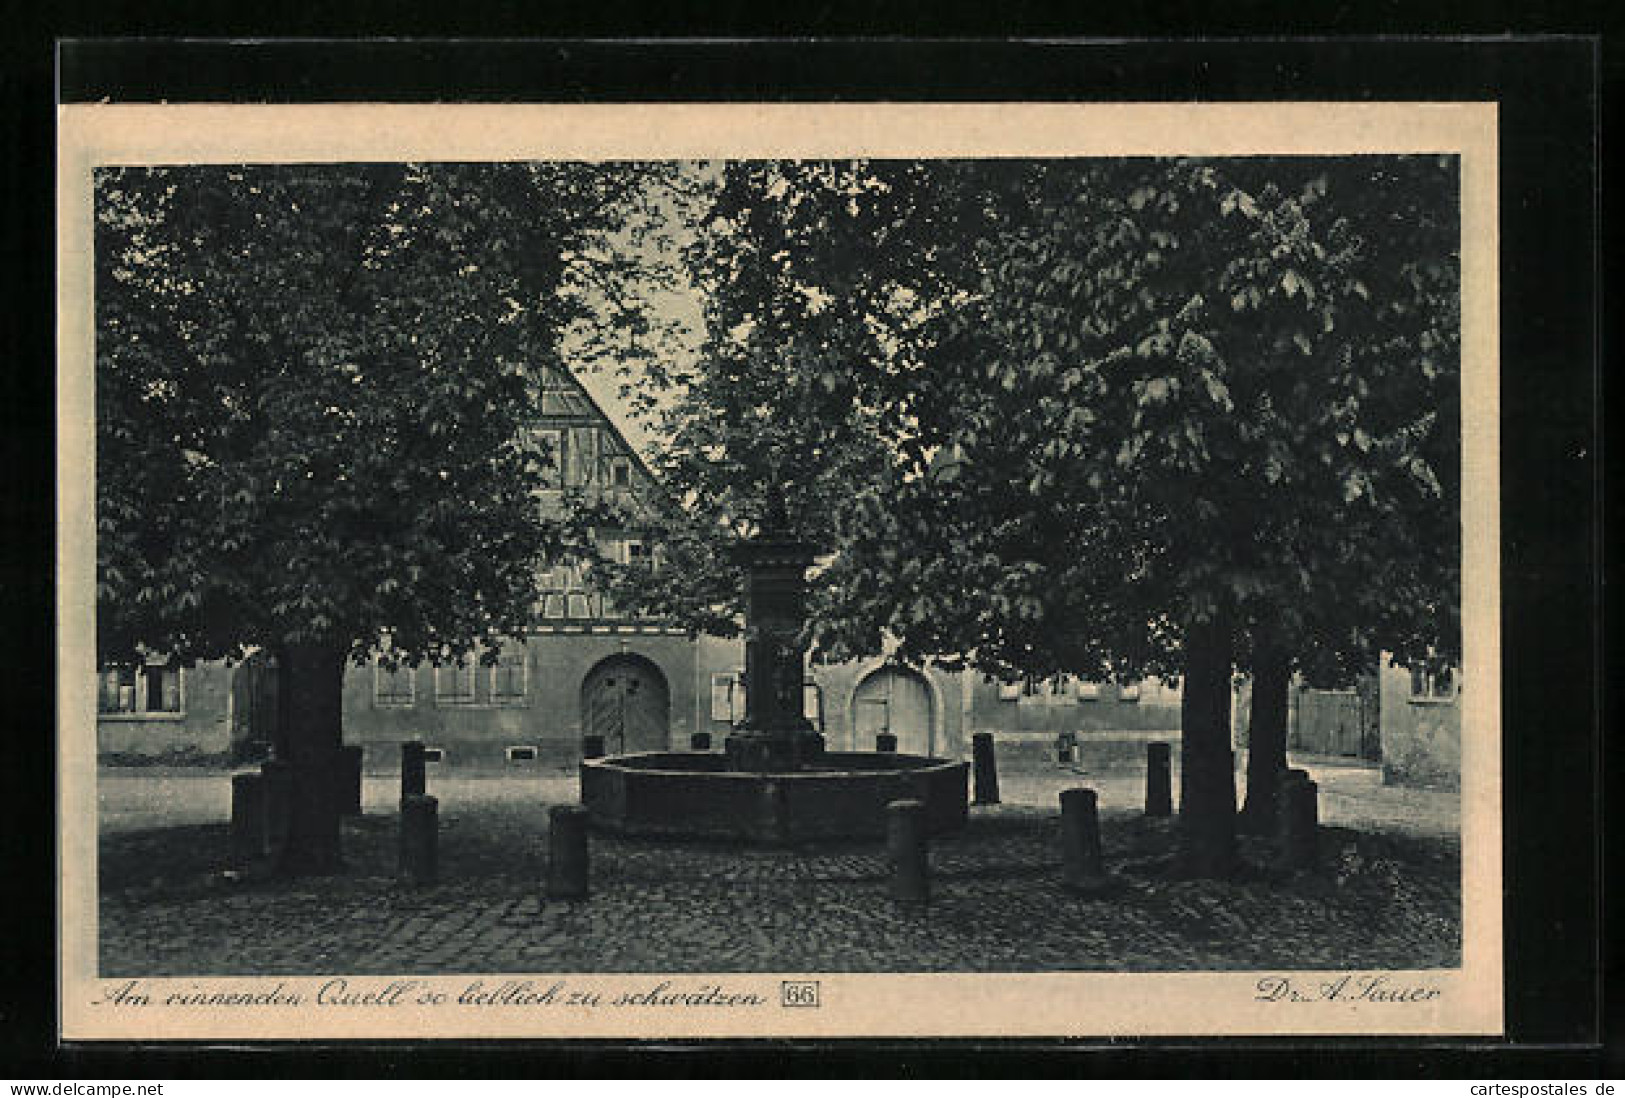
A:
x: 1328, y: 722
x: 625, y: 701
x: 894, y: 700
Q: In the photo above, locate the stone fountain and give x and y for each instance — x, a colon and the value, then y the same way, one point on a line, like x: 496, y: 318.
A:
x: 775, y: 782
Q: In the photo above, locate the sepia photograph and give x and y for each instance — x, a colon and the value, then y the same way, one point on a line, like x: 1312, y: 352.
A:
x: 934, y: 570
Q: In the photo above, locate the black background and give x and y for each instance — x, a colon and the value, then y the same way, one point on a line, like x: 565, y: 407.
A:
x: 1550, y: 93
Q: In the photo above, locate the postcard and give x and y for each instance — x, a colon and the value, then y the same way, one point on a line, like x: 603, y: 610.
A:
x: 666, y: 571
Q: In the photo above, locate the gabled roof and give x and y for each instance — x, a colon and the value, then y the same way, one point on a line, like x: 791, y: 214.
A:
x: 576, y: 400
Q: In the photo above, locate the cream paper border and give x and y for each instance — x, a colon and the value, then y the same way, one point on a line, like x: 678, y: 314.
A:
x: 1469, y: 1000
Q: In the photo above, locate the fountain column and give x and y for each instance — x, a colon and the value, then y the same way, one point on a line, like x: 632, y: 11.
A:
x: 775, y: 734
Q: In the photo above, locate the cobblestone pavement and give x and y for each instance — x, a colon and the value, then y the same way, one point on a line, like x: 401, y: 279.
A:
x: 1387, y: 895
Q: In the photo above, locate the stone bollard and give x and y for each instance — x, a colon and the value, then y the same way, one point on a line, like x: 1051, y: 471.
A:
x: 885, y: 742
x: 349, y: 789
x: 247, y: 818
x: 592, y: 747
x: 905, y: 851
x: 1279, y: 820
x: 278, y: 775
x: 420, y: 840
x: 986, y: 769
x: 700, y: 741
x: 567, y: 857
x: 773, y: 811
x: 1159, y: 786
x: 414, y: 771
x: 1297, y: 821
x: 1081, y: 864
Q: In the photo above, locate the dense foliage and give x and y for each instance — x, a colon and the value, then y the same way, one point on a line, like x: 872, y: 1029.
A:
x: 312, y: 389
x: 1097, y: 396
x: 311, y: 384
x: 1090, y: 416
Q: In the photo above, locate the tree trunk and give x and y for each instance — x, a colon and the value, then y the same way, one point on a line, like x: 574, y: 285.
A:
x: 1207, y: 784
x: 279, y: 727
x: 1266, y: 735
x: 312, y: 731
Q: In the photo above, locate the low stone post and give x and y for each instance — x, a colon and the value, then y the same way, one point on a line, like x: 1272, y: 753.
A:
x: 414, y: 771
x: 906, y: 853
x: 349, y: 789
x: 1279, y: 821
x: 700, y: 741
x: 420, y: 840
x: 278, y: 777
x: 1081, y: 863
x: 1297, y: 821
x: 567, y: 856
x: 885, y: 742
x: 592, y: 747
x: 247, y: 818
x: 774, y: 811
x: 1159, y: 783
x: 985, y: 766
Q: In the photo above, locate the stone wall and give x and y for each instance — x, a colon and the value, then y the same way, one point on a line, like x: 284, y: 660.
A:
x: 199, y: 733
x: 547, y: 718
x: 1421, y: 736
x: 1149, y: 706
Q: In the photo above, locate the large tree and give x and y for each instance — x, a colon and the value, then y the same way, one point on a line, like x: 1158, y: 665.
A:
x: 776, y: 422
x: 1385, y: 567
x: 1219, y: 400
x: 1108, y: 416
x: 312, y: 384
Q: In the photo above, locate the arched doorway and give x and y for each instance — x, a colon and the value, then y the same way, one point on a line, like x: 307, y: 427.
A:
x: 896, y: 700
x: 624, y: 699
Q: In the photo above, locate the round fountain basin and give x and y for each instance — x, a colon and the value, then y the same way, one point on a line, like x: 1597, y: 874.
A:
x: 695, y: 796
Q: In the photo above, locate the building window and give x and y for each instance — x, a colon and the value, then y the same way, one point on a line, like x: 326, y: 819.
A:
x: 117, y: 690
x: 150, y: 688
x: 1433, y: 682
x: 550, y: 447
x: 578, y: 605
x: 509, y: 678
x: 637, y: 553
x: 620, y: 472
x: 1032, y: 686
x: 163, y: 689
x: 393, y: 687
x: 725, y: 687
x: 454, y: 683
